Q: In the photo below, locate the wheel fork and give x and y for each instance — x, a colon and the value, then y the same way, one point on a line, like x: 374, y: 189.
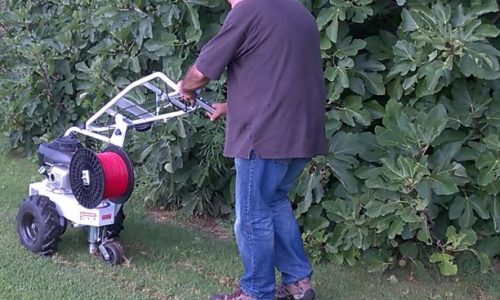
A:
x: 94, y: 238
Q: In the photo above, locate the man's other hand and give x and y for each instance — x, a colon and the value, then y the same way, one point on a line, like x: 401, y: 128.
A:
x: 220, y: 110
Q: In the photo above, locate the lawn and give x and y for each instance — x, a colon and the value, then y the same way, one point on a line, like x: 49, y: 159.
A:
x: 169, y: 260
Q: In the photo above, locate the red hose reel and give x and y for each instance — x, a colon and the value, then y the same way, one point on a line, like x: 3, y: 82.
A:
x: 98, y: 176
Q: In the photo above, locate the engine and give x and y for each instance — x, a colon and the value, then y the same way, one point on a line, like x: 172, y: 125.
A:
x: 55, y: 158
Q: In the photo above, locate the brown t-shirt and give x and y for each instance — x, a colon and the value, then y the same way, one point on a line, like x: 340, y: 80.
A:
x: 276, y: 93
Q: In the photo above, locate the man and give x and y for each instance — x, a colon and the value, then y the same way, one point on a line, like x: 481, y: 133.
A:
x: 275, y: 123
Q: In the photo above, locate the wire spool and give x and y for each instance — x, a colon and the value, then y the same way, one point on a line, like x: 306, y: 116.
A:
x: 106, y: 175
x: 130, y: 175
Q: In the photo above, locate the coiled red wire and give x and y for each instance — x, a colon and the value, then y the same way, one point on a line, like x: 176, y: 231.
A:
x: 115, y: 174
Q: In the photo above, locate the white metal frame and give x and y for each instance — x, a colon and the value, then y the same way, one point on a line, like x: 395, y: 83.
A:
x: 120, y: 127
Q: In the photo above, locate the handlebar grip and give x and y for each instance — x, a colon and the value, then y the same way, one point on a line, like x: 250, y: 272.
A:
x: 205, y: 105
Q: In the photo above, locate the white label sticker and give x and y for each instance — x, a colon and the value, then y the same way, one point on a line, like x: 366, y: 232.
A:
x: 87, y: 217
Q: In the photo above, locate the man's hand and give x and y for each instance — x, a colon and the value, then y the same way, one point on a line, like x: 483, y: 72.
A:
x: 220, y: 110
x: 193, y: 80
x: 186, y: 95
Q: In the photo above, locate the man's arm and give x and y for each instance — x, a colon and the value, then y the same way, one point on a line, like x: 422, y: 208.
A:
x: 193, y: 80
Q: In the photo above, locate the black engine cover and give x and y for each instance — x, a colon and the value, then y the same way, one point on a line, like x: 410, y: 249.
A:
x: 59, y: 151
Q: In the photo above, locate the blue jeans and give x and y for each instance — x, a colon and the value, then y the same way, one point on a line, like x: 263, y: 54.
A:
x: 267, y: 233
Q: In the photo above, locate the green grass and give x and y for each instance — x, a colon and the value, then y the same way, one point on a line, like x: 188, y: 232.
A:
x: 168, y: 261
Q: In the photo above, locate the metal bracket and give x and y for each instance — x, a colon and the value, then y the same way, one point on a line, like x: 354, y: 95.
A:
x: 103, y: 251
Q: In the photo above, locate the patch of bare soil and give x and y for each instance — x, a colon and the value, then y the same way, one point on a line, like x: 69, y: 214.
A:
x: 204, y: 224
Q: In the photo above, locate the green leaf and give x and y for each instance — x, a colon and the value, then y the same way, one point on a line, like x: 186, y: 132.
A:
x: 480, y: 206
x: 409, y: 22
x: 333, y: 29
x: 443, y: 184
x: 314, y: 221
x: 492, y: 142
x: 439, y: 257
x: 352, y: 111
x: 374, y: 82
x: 325, y: 43
x: 424, y: 190
x: 401, y: 175
x: 442, y: 12
x: 135, y: 66
x: 489, y: 167
x: 376, y: 110
x: 341, y: 159
x: 349, y: 47
x: 462, y: 210
x: 145, y: 153
x: 460, y: 241
x: 153, y: 45
x: 410, y: 81
x: 356, y: 84
x: 409, y: 249
x: 405, y: 50
x: 82, y: 67
x: 444, y: 154
x: 428, y: 126
x: 448, y: 268
x: 490, y: 245
x: 330, y: 73
x: 433, y: 75
x: 361, y: 13
x: 344, y: 79
x: 380, y: 46
x: 366, y: 172
x: 363, y: 62
x: 325, y: 16
x: 313, y: 193
x: 395, y: 229
x: 376, y: 209
x: 472, y: 95
x: 333, y: 122
x: 375, y: 260
x: 480, y: 60
x: 445, y: 262
x: 341, y: 210
x: 410, y: 215
x: 487, y: 31
x: 144, y: 31
x: 484, y: 262
x: 424, y: 235
x: 480, y: 8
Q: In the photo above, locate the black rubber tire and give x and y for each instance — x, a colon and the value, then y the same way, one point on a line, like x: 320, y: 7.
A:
x: 115, y: 252
x: 64, y: 226
x: 114, y: 230
x: 38, y: 225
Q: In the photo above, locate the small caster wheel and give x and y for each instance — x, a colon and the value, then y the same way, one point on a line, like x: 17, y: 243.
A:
x: 112, y: 253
